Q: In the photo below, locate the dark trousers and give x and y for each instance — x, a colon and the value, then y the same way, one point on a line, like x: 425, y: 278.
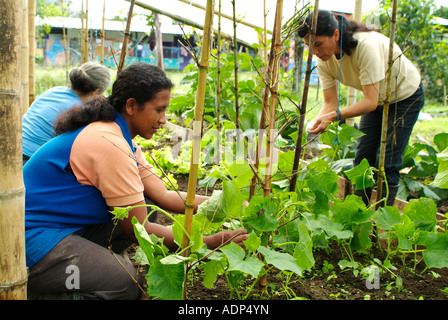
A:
x: 402, y: 117
x: 101, y: 274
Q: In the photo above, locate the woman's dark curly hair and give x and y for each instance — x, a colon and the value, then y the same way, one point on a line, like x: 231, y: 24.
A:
x: 140, y: 81
x: 327, y: 23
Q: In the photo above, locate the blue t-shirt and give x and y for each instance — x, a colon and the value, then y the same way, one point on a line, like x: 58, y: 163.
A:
x: 38, y: 121
x: 56, y: 204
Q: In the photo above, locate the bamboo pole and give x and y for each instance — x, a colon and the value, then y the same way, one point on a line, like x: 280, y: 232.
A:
x: 298, y: 151
x: 65, y: 40
x: 13, y: 272
x: 103, y: 30
x: 235, y: 69
x: 275, y: 54
x: 198, y: 116
x: 32, y: 48
x: 86, y: 35
x: 242, y: 21
x: 262, y: 126
x: 159, y: 42
x: 125, y: 39
x: 185, y: 21
x: 82, y: 32
x: 218, y: 88
x: 381, y: 174
x: 351, y: 92
x: 269, y: 108
x: 25, y: 61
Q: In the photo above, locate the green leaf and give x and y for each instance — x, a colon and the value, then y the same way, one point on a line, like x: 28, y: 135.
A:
x: 212, y: 208
x: 386, y: 217
x: 232, y: 199
x: 166, y: 280
x: 350, y: 211
x: 348, y: 134
x: 361, y: 175
x: 423, y: 212
x: 404, y: 230
x: 121, y: 212
x: 211, y: 270
x: 196, y: 240
x: 330, y: 228
x: 441, y: 141
x: 260, y: 205
x: 263, y: 223
x: 280, y: 260
x: 235, y: 255
x: 326, y: 182
x: 144, y: 240
x: 252, y: 242
x: 436, y: 255
x: 303, y: 252
x: 441, y: 179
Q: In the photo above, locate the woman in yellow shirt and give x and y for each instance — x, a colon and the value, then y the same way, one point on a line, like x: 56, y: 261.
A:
x: 356, y: 56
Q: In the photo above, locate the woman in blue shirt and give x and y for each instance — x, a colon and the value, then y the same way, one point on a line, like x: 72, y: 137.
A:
x: 37, y: 128
x: 90, y: 167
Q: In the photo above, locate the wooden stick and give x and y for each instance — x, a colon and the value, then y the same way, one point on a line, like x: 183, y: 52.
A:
x: 292, y: 186
x: 381, y: 174
x: 125, y: 39
x: 32, y: 47
x: 197, y: 132
x: 13, y: 271
x: 103, y: 35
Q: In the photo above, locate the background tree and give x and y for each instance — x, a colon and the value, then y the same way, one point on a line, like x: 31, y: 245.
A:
x: 421, y: 38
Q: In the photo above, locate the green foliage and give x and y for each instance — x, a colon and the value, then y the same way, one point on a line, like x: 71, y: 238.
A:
x: 441, y: 179
x: 420, y: 37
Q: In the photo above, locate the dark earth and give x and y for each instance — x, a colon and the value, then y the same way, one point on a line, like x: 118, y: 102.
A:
x: 326, y: 281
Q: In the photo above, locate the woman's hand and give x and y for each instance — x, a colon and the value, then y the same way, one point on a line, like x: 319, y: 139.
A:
x: 225, y: 237
x: 322, y: 122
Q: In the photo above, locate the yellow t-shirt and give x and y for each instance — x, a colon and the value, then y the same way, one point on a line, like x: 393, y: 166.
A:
x: 368, y: 64
x: 102, y: 158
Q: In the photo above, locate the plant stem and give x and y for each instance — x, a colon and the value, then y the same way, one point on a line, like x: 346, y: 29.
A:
x: 197, y: 132
x: 298, y: 150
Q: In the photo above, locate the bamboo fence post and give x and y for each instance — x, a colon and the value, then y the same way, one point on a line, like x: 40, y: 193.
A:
x: 275, y: 53
x: 235, y: 68
x: 159, y: 41
x: 13, y: 272
x: 381, y: 174
x: 25, y: 62
x: 198, y: 116
x: 182, y: 19
x: 242, y: 21
x: 262, y: 126
x: 351, y: 92
x: 126, y: 36
x: 82, y: 32
x: 292, y: 186
x: 269, y: 108
x: 218, y: 88
x: 32, y: 48
x: 86, y: 35
x: 65, y: 40
x: 103, y: 30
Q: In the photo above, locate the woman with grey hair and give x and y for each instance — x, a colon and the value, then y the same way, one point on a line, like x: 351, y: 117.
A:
x: 88, y: 80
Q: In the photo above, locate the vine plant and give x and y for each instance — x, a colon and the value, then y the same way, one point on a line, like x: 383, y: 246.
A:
x: 284, y: 226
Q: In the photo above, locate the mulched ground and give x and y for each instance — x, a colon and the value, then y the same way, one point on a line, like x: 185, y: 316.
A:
x: 326, y: 281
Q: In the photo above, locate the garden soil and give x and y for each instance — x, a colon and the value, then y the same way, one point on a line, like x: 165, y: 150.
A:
x: 326, y: 281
